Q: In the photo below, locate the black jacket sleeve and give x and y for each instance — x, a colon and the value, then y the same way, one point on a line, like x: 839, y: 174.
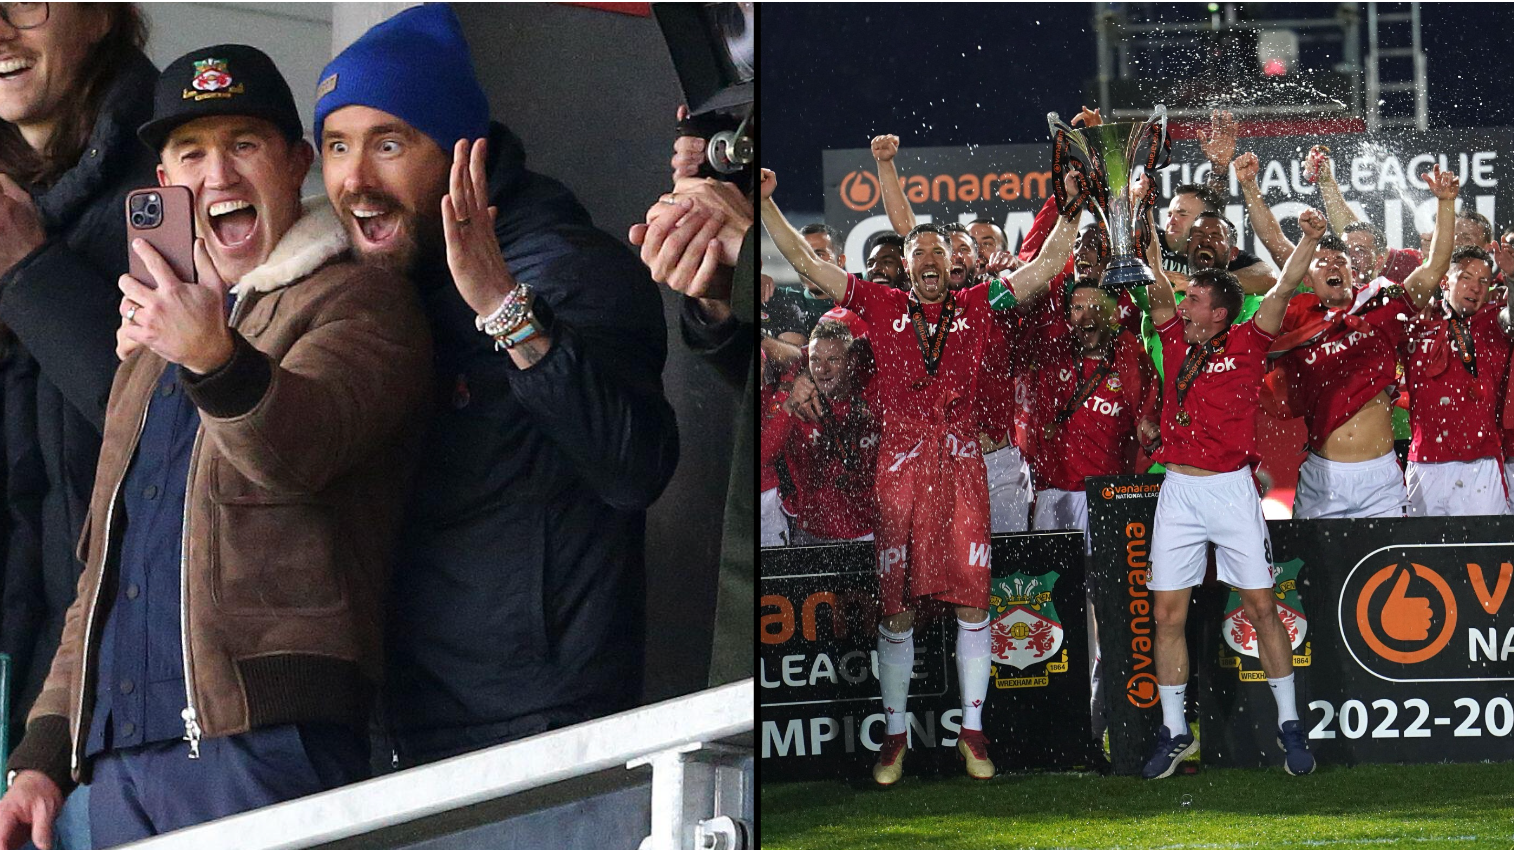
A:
x: 597, y: 393
x: 64, y: 311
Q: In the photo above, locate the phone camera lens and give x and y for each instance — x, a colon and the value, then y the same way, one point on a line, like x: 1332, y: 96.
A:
x: 137, y: 219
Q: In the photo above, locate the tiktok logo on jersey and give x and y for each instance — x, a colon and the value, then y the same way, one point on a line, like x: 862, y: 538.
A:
x: 903, y: 324
x: 1065, y: 376
x: 1221, y: 366
x: 1100, y: 406
x: 868, y: 441
x: 901, y: 457
x: 1335, y: 348
x: 977, y: 554
x: 890, y: 557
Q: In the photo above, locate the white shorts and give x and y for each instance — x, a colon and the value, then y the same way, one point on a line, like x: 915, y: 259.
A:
x: 1194, y: 510
x: 1059, y: 509
x: 1334, y: 490
x: 1008, y: 490
x: 775, y: 524
x: 1508, y: 480
x: 1456, y: 488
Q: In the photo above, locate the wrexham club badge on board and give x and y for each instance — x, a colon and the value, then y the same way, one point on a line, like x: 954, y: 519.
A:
x: 1240, y: 636
x: 1026, y: 632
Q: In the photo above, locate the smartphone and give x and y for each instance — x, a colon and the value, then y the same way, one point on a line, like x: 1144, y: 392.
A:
x: 164, y: 216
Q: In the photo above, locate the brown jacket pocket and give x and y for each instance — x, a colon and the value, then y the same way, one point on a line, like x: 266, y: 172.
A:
x: 272, y: 552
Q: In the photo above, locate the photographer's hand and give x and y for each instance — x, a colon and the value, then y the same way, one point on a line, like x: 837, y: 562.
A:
x: 688, y: 152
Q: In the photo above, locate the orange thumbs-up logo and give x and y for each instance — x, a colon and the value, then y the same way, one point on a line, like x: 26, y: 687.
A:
x: 1405, y: 618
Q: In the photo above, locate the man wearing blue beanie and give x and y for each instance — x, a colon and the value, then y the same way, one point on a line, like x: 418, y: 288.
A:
x: 518, y: 593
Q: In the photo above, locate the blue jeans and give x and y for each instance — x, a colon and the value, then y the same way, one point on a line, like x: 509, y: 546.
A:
x: 156, y: 788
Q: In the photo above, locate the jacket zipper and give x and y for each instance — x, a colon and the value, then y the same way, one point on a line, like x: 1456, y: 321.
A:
x: 89, y: 621
x: 189, y: 714
x: 191, y: 718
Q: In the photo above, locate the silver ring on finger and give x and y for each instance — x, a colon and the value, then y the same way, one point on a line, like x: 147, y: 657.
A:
x: 131, y: 313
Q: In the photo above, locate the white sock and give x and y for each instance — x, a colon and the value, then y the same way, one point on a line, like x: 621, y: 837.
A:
x: 1172, y: 709
x: 972, y: 670
x: 1282, y: 692
x: 896, y: 662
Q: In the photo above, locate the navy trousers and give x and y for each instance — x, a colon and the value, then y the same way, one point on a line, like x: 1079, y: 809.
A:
x: 156, y: 788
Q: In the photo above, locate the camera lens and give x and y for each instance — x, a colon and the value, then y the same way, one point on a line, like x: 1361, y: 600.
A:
x: 152, y: 209
x: 137, y: 219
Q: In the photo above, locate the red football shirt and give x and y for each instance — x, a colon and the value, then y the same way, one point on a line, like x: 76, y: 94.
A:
x: 902, y: 390
x: 834, y: 495
x: 1222, y: 403
x: 1100, y: 437
x: 1402, y: 261
x: 1454, y: 416
x: 1330, y: 380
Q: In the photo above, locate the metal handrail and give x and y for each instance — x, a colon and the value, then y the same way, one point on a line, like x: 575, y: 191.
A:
x: 496, y: 772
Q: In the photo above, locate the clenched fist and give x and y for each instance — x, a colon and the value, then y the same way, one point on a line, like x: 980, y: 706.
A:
x: 885, y: 147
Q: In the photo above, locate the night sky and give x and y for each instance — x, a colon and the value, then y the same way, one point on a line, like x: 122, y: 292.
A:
x: 835, y: 75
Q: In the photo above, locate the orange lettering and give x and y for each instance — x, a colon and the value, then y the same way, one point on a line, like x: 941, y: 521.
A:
x: 1009, y: 186
x: 1490, y: 602
x: 812, y: 602
x: 919, y: 190
x: 951, y: 187
x: 1037, y: 177
x: 777, y: 627
x: 968, y: 187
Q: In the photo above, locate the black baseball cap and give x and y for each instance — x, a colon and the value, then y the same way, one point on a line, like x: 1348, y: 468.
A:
x: 224, y: 79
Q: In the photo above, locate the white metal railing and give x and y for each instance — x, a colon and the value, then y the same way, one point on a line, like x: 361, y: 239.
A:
x: 678, y: 738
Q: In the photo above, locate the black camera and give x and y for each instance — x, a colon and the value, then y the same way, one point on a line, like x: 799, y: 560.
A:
x: 146, y: 211
x: 713, y: 47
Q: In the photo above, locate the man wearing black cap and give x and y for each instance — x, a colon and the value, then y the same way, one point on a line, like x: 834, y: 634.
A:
x: 518, y: 594
x: 225, y: 645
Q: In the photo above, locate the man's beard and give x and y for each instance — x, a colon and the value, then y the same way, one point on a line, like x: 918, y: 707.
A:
x: 419, y: 239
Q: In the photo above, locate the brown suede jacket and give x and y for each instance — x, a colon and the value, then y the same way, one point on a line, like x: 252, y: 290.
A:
x: 305, y: 446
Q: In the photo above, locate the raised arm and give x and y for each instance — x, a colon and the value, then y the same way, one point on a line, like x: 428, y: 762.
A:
x: 1336, y: 207
x: 1255, y: 279
x: 1262, y: 220
x: 1031, y: 280
x: 900, y: 214
x: 829, y: 277
x: 1422, y: 282
x: 1163, y: 305
x: 1269, y: 315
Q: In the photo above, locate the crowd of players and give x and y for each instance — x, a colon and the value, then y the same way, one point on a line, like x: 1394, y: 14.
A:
x: 960, y: 387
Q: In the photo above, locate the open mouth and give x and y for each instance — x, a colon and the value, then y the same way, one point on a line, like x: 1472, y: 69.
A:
x: 377, y: 226
x: 1204, y: 257
x: 233, y: 223
x: 958, y: 274
x: 1335, y: 281
x: 12, y: 68
x: 930, y: 278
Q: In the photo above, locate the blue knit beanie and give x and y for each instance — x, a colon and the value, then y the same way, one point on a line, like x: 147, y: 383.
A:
x: 414, y: 66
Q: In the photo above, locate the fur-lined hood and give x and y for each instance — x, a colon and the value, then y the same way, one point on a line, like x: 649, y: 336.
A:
x: 313, y: 240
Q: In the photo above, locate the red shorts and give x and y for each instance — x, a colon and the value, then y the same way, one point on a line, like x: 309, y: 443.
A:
x: 932, y: 534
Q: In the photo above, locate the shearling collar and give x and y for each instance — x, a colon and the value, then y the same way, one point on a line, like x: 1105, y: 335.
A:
x: 315, y: 238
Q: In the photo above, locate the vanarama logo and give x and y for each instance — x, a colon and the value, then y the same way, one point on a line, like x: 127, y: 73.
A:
x: 1141, y: 688
x: 1131, y: 491
x: 1431, y: 613
x: 860, y: 190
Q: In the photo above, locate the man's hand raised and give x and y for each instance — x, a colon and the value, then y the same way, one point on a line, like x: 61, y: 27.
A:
x: 1312, y: 222
x: 884, y: 148
x: 1442, y: 184
x: 1247, y: 166
x: 28, y: 810
x: 1219, y: 144
x: 769, y: 183
x: 181, y: 322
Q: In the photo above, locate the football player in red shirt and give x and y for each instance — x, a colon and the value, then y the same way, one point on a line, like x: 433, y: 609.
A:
x: 1456, y: 371
x: 832, y: 460
x: 932, y: 536
x: 1337, y: 359
x: 1212, y: 377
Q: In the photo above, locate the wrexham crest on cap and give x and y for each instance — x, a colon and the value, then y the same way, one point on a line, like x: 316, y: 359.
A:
x: 211, y: 80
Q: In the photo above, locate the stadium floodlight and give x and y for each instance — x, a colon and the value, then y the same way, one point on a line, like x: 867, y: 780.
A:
x: 1277, y: 52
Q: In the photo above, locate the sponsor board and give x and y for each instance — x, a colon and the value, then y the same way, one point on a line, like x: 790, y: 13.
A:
x: 1402, y: 633
x: 820, y: 711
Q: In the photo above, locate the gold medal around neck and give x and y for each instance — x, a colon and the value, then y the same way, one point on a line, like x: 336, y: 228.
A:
x: 1183, y: 418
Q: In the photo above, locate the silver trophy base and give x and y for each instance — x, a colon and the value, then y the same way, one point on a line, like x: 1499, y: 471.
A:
x: 1125, y: 271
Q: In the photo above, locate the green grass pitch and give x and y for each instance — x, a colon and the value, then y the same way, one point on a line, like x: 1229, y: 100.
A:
x: 1373, y: 806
